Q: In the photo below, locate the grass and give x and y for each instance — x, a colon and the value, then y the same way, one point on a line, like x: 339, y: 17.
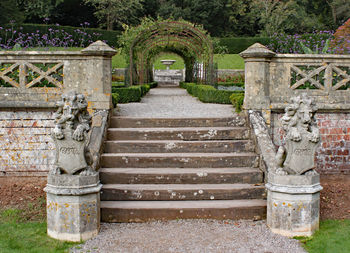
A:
x: 18, y: 235
x: 332, y: 237
x: 227, y: 61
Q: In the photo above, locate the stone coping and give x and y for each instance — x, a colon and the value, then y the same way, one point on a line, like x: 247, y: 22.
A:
x: 294, y: 184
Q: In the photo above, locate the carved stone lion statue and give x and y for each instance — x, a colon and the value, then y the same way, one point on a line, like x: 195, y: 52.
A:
x: 72, y: 114
x: 72, y: 123
x: 302, y: 137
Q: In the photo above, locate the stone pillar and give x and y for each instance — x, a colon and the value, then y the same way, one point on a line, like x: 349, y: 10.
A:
x: 73, y: 187
x: 97, y: 75
x: 73, y: 207
x: 257, y: 79
x: 293, y: 197
x: 293, y: 204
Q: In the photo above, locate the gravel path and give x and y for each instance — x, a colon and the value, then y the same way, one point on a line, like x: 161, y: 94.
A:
x: 173, y: 103
x: 189, y: 236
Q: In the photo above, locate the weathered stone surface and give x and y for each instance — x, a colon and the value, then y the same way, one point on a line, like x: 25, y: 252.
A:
x: 203, y: 133
x: 173, y: 146
x: 293, y: 203
x: 73, y: 207
x: 165, y: 192
x: 169, y: 76
x: 125, y: 122
x: 272, y: 79
x: 87, y: 71
x: 264, y: 140
x: 180, y: 160
x: 180, y: 176
x: 97, y: 136
x: 143, y: 211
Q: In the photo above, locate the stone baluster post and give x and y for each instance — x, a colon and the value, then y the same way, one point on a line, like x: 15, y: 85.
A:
x: 293, y: 197
x: 257, y: 79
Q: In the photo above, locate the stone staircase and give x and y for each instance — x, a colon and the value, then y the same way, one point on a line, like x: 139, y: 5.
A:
x: 166, y: 168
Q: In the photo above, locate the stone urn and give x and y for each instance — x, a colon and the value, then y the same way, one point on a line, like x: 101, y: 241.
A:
x: 167, y: 63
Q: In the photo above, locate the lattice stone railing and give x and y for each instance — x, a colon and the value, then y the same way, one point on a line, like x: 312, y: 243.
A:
x: 272, y: 79
x: 38, y: 78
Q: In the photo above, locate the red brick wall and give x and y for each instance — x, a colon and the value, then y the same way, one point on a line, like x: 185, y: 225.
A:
x: 332, y: 155
x: 26, y: 148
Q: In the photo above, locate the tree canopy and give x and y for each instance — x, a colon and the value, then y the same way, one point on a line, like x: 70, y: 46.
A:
x: 219, y: 17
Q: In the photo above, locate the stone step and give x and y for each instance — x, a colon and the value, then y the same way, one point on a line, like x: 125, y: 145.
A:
x: 178, y: 146
x: 143, y: 211
x: 188, y: 133
x: 126, y: 122
x: 179, y: 160
x: 165, y: 192
x: 180, y: 176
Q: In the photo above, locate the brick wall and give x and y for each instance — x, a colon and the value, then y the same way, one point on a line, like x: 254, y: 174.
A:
x: 332, y: 155
x: 26, y: 148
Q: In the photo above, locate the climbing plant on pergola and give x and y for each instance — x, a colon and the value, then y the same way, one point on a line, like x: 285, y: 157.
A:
x: 145, y: 42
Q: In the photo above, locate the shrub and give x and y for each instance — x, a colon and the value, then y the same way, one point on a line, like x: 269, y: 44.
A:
x: 237, y: 100
x: 122, y: 94
x: 128, y: 94
x: 230, y: 84
x: 341, y: 42
x: 115, y: 98
x: 231, y: 78
x: 153, y: 85
x: 207, y: 93
x: 236, y: 45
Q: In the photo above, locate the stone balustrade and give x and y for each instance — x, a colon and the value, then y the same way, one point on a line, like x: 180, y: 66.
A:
x: 36, y: 79
x: 272, y: 79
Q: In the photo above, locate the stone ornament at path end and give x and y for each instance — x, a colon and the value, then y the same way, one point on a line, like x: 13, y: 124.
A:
x: 302, y: 138
x: 72, y: 123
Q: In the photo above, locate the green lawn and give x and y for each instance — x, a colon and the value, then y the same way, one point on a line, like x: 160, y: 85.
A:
x: 17, y: 235
x: 227, y: 61
x: 333, y: 237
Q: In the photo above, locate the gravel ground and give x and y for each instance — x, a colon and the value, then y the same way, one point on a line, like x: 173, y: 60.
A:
x: 172, y: 103
x: 189, y: 236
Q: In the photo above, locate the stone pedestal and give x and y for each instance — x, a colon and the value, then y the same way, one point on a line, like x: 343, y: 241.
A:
x: 293, y: 204
x: 73, y: 207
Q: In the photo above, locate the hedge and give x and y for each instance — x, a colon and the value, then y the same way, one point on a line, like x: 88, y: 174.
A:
x: 110, y: 36
x: 122, y: 94
x: 235, y: 45
x: 208, y: 94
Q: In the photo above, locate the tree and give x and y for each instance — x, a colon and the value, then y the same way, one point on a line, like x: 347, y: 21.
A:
x: 212, y: 14
x: 37, y: 10
x: 10, y: 11
x: 111, y: 12
x: 340, y: 10
x: 273, y: 15
x: 242, y: 21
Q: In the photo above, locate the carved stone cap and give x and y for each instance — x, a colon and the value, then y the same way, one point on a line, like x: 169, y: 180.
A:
x: 257, y: 51
x: 294, y: 184
x: 99, y: 48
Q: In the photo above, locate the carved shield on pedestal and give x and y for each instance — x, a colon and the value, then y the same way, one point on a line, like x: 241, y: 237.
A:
x: 300, y: 155
x: 70, y: 154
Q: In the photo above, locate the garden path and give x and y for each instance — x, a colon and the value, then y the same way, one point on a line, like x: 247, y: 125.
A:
x: 172, y: 102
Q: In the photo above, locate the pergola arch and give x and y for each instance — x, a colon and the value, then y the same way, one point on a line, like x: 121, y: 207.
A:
x: 179, y: 37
